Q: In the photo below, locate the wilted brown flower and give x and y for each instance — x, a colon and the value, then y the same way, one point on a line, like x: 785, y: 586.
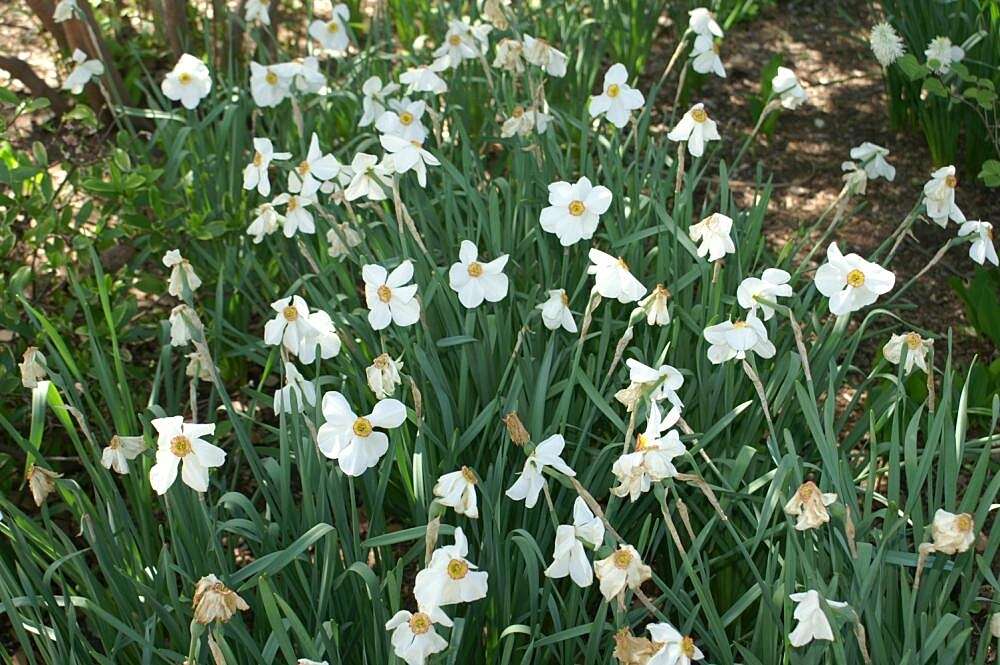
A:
x: 515, y: 429
x: 632, y: 650
x: 214, y: 601
x: 42, y: 482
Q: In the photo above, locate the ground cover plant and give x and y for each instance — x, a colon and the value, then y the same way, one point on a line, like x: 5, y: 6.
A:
x: 463, y: 351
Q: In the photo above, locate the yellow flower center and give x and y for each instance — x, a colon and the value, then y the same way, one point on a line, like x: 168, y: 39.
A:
x: 951, y: 181
x: 699, y: 115
x: 806, y: 491
x: 964, y: 523
x: 362, y: 427
x: 913, y: 341
x: 715, y: 46
x: 180, y: 445
x: 687, y: 646
x: 420, y: 623
x: 739, y: 325
x: 454, y: 40
x: 258, y: 159
x: 293, y: 203
x: 115, y: 443
x: 405, y: 118
x: 517, y: 112
x: 622, y: 559
x: 290, y: 313
x: 622, y: 264
x: 614, y: 90
x: 303, y: 167
x: 576, y: 208
x: 468, y: 475
x: 185, y: 78
x: 855, y: 278
x: 333, y: 26
x: 475, y: 269
x: 565, y: 299
x: 383, y: 360
x: 641, y: 442
x: 457, y: 569
x: 271, y: 78
x: 384, y: 293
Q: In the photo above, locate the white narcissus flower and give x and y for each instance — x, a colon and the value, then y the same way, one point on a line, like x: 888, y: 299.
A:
x: 705, y: 56
x: 180, y: 443
x: 523, y: 121
x: 529, y: 483
x: 886, y: 44
x: 655, y: 306
x: 618, y: 99
x: 916, y: 351
x: 120, y: 450
x: 542, y: 54
x: 855, y: 179
x: 809, y: 504
x: 981, y: 234
x: 181, y: 274
x: 702, y: 22
x: 308, y: 77
x: 771, y: 285
x: 369, y: 180
x: 404, y: 121
x: 32, y: 367
x: 406, y: 155
x: 872, y: 158
x: 812, y: 621
x: 786, y: 85
x: 735, y: 339
x: 697, y: 129
x: 850, y: 282
x: 612, y: 278
x: 304, y: 392
x: 182, y: 326
x: 663, y: 384
x: 509, y: 55
x: 952, y: 534
x: 332, y: 34
x: 342, y: 238
x: 450, y: 577
x: 941, y: 53
x: 714, y: 234
x: 306, y: 178
x: 574, y: 210
x: 413, y: 635
x: 291, y: 326
x: 939, y: 197
x: 556, y: 313
x: 64, y: 10
x: 475, y: 282
x: 652, y: 460
x: 374, y: 100
x: 297, y: 217
x: 351, y: 439
x: 425, y: 78
x: 458, y: 490
x: 672, y: 647
x: 265, y: 223
x: 83, y: 71
x: 383, y: 375
x: 188, y: 82
x: 389, y: 297
x: 461, y: 43
x: 323, y: 337
x: 255, y: 174
x: 256, y: 10
x: 569, y: 556
x: 623, y: 568
x: 270, y: 85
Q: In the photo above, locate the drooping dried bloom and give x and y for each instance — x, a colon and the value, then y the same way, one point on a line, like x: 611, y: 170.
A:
x: 41, y: 482
x: 515, y: 429
x: 632, y: 650
x: 32, y: 367
x: 809, y: 505
x: 214, y: 601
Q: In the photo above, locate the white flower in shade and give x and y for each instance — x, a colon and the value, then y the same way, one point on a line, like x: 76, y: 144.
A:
x: 413, y: 635
x: 270, y: 85
x: 316, y: 168
x: 83, y: 71
x: 569, y: 556
x: 618, y: 99
x: 981, y: 234
x: 939, y: 197
x: 406, y: 155
x: 256, y: 10
x: 652, y: 460
x: 705, y: 56
x: 542, y: 54
x: 702, y: 22
x: 383, y: 375
x: 181, y: 325
x: 64, y: 10
x: 655, y: 306
x: 952, y: 534
x: 297, y: 217
x: 332, y: 34
x: 509, y: 55
x: 214, y: 602
x: 404, y: 121
x: 188, y: 82
x: 771, y: 285
x: 295, y: 394
x: 886, y: 44
x: 523, y: 121
x: 850, y: 282
x: 624, y: 568
x: 32, y: 367
x: 351, y: 439
x: 323, y: 338
x: 661, y: 384
x: 786, y: 85
x: 872, y: 158
x: 389, y: 296
x: 474, y: 281
x: 812, y: 621
x: 458, y: 490
x: 370, y: 179
x: 265, y: 223
x: 734, y: 339
x: 612, y: 278
x: 181, y: 274
x: 809, y: 504
x: 309, y: 78
x: 291, y: 326
x: 425, y: 78
x: 672, y: 647
x: 714, y: 234
x: 180, y: 443
x: 855, y: 179
x: 450, y: 577
x: 941, y: 54
x: 916, y: 351
x: 120, y: 450
x: 342, y: 238
x: 306, y: 661
x: 255, y: 174
x: 374, y: 100
x: 556, y: 313
x: 697, y: 129
x: 528, y: 485
x: 574, y: 210
x: 461, y: 43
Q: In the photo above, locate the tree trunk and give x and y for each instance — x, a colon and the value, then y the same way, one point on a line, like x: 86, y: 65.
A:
x: 23, y: 72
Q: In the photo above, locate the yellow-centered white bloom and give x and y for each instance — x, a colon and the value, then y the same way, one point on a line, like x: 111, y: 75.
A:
x: 425, y: 78
x: 735, y: 339
x: 951, y: 533
x: 574, y: 211
x: 351, y: 439
x: 981, y: 248
x: 404, y: 155
x: 771, y: 285
x: 939, y: 197
x: 624, y: 568
x: 652, y: 460
x: 182, y: 275
x: 295, y: 394
x: 542, y: 54
x: 941, y: 54
x: 297, y: 216
x: 389, y: 296
x: 180, y: 443
x: 383, y: 375
x: 672, y: 647
x: 705, y: 56
x: 404, y: 121
x: 257, y: 10
x: 872, y: 158
x: 850, y: 282
x: 916, y: 351
x: 812, y: 621
x: 617, y: 100
x: 375, y: 99
x: 786, y: 85
x: 413, y: 635
x: 529, y: 483
x: 332, y: 34
x: 305, y: 179
x: 255, y: 174
x: 458, y: 490
x: 32, y: 367
x: 291, y: 325
x: 714, y: 233
x: 371, y: 179
x: 270, y: 85
x: 809, y: 504
x: 214, y: 601
x: 188, y: 82
x: 702, y: 22
x: 475, y: 282
x: 83, y: 71
x: 450, y: 577
x: 556, y: 313
x: 463, y: 42
x: 524, y: 121
x: 697, y: 129
x: 612, y: 278
x: 265, y: 223
x: 120, y: 450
